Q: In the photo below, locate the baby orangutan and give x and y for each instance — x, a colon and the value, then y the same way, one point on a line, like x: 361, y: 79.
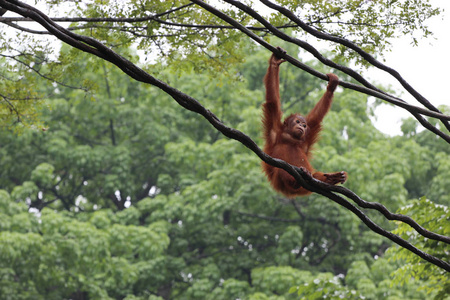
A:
x: 292, y: 140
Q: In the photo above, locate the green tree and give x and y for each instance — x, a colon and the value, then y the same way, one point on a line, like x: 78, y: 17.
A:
x: 225, y: 233
x: 132, y: 197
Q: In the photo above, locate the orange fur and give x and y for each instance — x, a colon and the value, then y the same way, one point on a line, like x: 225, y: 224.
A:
x: 293, y: 139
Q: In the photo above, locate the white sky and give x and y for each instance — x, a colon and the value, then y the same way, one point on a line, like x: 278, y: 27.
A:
x: 425, y: 68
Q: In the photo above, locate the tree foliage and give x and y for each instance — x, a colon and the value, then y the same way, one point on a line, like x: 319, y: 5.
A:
x: 126, y: 195
x: 178, y: 210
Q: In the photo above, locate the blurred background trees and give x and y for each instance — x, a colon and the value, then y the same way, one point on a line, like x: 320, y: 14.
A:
x: 110, y: 190
x: 128, y: 195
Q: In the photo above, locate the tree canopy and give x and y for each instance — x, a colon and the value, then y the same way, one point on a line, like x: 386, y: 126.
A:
x: 111, y: 190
